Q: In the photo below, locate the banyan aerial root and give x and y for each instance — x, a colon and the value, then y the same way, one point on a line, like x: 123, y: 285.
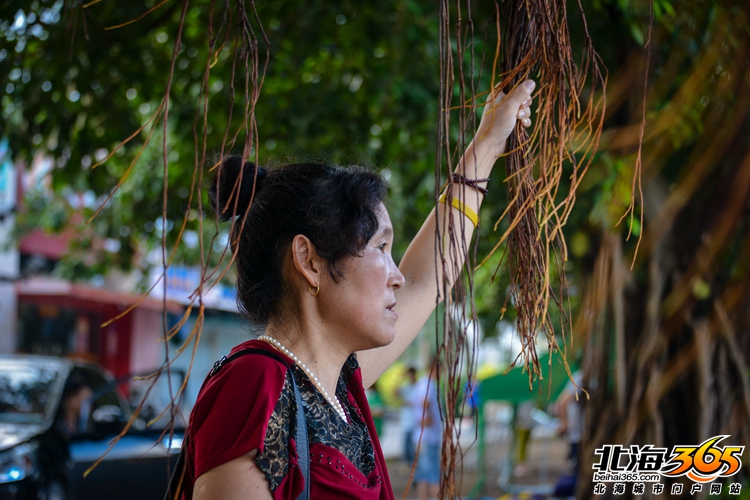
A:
x: 544, y: 168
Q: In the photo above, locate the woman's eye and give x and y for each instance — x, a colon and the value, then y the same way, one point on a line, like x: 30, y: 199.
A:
x: 382, y: 247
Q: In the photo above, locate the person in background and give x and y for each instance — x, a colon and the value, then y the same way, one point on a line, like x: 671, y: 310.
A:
x: 472, y: 397
x: 428, y: 434
x: 523, y: 426
x: 377, y: 409
x: 408, y: 421
x: 570, y: 412
x: 71, y: 419
x: 74, y: 408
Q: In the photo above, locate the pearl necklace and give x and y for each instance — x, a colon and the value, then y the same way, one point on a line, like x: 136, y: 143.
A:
x: 334, y: 402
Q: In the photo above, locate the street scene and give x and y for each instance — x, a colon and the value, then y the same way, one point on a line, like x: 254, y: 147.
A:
x: 374, y: 250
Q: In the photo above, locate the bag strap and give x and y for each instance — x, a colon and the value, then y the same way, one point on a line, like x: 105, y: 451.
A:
x: 303, y: 445
x: 174, y: 489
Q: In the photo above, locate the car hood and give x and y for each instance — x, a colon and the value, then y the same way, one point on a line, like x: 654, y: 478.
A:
x: 14, y: 434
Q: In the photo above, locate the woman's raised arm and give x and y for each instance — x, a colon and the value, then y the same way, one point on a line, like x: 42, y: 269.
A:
x: 423, y: 276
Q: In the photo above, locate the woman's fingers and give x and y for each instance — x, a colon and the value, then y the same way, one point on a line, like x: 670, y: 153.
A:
x: 524, y: 114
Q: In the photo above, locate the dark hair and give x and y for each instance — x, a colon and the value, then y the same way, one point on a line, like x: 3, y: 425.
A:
x: 75, y: 384
x: 333, y: 206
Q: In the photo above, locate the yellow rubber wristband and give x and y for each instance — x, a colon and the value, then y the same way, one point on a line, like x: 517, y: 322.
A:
x: 463, y: 208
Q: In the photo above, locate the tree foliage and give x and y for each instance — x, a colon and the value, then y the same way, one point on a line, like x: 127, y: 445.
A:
x: 346, y: 84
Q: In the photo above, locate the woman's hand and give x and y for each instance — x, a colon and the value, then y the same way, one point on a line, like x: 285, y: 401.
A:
x: 500, y: 114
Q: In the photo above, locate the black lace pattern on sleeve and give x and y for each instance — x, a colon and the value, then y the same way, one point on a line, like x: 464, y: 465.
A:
x: 323, y: 426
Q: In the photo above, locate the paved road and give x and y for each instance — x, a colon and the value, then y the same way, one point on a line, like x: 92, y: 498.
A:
x: 546, y: 462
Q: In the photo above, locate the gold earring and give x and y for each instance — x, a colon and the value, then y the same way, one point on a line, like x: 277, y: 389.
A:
x: 316, y: 292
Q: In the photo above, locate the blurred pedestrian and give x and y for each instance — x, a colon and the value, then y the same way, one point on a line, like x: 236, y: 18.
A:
x: 72, y: 419
x: 377, y: 408
x: 523, y: 425
x: 471, y: 389
x: 74, y: 409
x: 569, y: 410
x: 428, y: 434
x: 408, y: 420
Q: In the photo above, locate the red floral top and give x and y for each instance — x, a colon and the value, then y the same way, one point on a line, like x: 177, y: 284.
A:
x: 249, y: 404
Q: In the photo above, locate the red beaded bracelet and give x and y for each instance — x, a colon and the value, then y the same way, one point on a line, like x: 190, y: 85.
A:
x: 462, y: 179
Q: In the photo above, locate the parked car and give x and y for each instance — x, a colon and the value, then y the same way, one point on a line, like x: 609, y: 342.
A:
x: 57, y: 418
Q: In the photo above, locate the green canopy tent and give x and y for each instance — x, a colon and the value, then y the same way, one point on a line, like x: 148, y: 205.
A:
x: 513, y: 387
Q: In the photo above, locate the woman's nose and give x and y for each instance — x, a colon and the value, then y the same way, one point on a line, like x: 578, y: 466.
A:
x: 397, y: 279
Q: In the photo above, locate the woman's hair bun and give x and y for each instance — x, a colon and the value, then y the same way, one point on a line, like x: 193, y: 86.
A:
x: 223, y: 190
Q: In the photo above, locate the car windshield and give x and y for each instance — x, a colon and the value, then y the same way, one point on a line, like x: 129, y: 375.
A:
x: 25, y: 393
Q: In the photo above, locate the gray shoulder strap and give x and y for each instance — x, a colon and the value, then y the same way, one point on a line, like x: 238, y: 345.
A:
x: 303, y: 445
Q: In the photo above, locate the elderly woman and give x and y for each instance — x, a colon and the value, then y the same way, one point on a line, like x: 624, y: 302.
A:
x: 314, y: 267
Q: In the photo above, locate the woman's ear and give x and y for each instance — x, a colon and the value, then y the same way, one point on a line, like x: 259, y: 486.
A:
x: 306, y: 260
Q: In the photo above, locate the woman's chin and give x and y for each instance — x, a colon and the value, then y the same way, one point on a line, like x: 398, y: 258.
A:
x: 389, y: 338
x: 381, y: 340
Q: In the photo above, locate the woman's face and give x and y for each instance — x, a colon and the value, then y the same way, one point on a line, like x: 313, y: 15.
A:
x: 359, y: 307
